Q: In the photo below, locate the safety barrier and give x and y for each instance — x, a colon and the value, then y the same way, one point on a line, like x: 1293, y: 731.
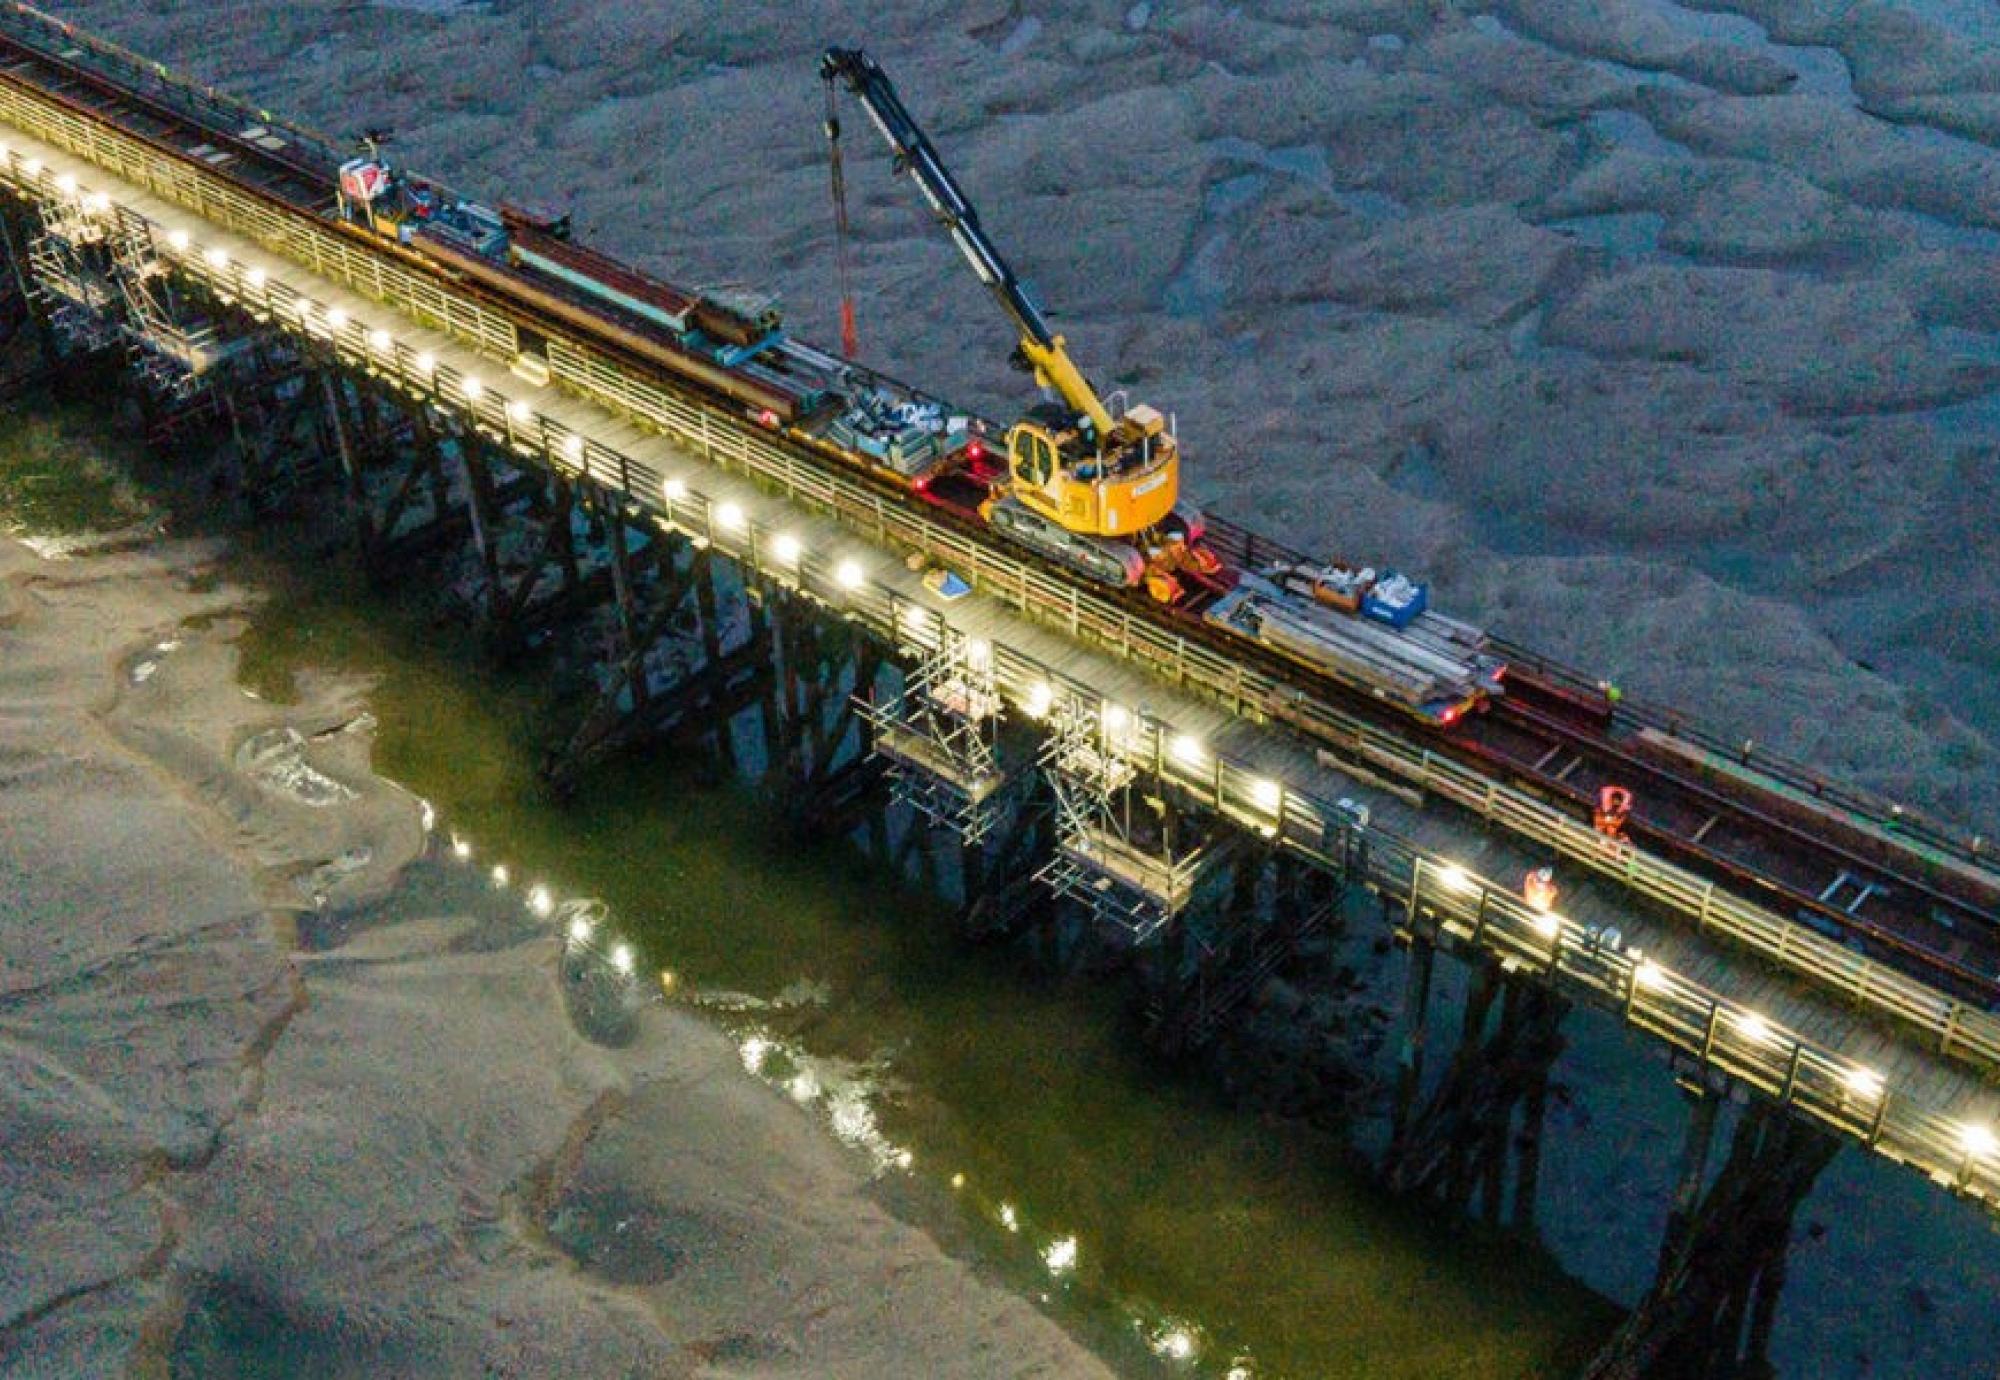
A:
x: 1956, y: 1029
x: 1439, y: 899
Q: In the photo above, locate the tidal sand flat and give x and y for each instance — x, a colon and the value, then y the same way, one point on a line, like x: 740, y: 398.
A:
x: 269, y: 1110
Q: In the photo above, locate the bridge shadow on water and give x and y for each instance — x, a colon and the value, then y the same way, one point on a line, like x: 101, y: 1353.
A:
x: 1219, y: 1202
x: 1221, y: 1197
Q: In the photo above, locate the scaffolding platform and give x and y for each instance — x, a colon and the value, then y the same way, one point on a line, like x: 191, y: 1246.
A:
x: 916, y: 751
x: 1166, y: 882
x: 939, y: 737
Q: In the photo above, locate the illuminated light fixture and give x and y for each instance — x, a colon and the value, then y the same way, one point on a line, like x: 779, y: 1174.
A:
x: 257, y: 278
x: 958, y: 1181
x: 1117, y: 718
x: 1059, y: 1256
x: 851, y: 575
x: 33, y: 167
x: 1452, y: 877
x: 673, y: 490
x: 217, y: 258
x: 1548, y: 924
x: 99, y: 202
x: 500, y: 874
x: 380, y: 342
x: 785, y: 547
x: 1650, y: 976
x: 916, y: 620
x: 66, y: 184
x: 729, y: 517
x: 1865, y: 1084
x: 621, y: 959
x: 541, y: 902
x: 472, y: 388
x: 978, y: 653
x: 1177, y: 1344
x: 573, y: 447
x: 178, y: 239
x: 461, y: 849
x: 336, y: 319
x: 667, y: 979
x: 1041, y: 699
x: 1009, y: 1218
x: 425, y: 361
x: 1267, y: 795
x: 519, y: 413
x: 1978, y: 1140
x: 1188, y: 751
x: 579, y: 929
x: 1754, y: 1028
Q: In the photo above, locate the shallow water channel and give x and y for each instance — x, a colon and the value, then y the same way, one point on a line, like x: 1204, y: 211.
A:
x: 1014, y: 1112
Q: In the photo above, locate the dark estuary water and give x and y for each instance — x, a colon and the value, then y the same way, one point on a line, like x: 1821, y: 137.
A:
x: 1011, y: 1108
x: 1005, y: 1103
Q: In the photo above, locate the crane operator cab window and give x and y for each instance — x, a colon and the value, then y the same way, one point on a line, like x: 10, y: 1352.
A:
x: 1034, y: 459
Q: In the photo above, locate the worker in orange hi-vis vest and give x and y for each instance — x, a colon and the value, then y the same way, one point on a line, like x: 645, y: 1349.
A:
x: 1614, y: 807
x: 1538, y: 888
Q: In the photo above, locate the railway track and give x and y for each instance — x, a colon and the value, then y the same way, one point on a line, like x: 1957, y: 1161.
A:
x: 1565, y: 742
x: 1925, y: 903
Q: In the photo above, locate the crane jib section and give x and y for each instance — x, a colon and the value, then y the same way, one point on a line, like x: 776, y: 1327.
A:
x: 916, y: 156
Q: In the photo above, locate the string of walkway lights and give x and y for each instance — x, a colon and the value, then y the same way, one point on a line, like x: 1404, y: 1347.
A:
x: 1978, y: 1140
x: 585, y: 932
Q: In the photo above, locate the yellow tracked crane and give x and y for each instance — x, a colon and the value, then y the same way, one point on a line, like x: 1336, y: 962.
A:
x: 1097, y: 492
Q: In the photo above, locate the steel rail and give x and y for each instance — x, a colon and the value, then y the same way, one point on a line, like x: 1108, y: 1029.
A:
x: 1954, y: 1027
x: 1439, y: 901
x: 1961, y: 977
x: 1635, y: 769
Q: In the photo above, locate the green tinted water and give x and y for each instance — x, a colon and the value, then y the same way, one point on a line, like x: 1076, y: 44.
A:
x: 1254, y: 1240
x: 63, y: 473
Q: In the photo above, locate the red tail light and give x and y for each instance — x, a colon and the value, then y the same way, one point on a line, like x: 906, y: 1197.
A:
x: 768, y: 417
x: 975, y: 450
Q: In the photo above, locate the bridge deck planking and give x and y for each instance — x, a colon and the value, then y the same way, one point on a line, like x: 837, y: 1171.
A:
x: 1965, y: 1031
x: 1915, y: 1073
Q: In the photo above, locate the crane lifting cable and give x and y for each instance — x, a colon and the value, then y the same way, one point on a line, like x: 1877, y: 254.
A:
x: 850, y: 337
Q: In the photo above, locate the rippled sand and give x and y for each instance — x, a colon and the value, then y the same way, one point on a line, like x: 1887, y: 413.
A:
x: 273, y: 1105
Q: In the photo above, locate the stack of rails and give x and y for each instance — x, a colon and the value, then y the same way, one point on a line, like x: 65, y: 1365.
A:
x: 1435, y: 667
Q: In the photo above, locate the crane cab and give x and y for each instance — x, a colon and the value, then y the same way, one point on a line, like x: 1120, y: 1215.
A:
x: 1126, y: 485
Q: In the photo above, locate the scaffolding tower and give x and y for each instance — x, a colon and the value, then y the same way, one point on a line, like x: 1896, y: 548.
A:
x: 940, y: 736
x: 94, y: 269
x: 1117, y: 850
x: 174, y: 349
x: 69, y: 274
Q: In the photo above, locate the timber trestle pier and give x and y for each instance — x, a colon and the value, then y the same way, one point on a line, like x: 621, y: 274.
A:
x: 1067, y: 753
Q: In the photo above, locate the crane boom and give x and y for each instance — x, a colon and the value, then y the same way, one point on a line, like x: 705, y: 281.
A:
x: 916, y: 156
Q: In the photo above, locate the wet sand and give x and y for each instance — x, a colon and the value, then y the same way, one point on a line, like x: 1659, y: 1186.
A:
x: 269, y: 1110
